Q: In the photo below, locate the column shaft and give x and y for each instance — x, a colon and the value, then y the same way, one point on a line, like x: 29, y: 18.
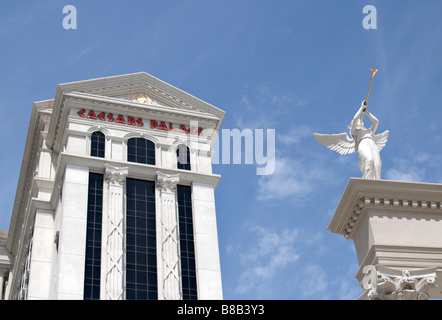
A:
x: 115, y: 217
x: 169, y: 238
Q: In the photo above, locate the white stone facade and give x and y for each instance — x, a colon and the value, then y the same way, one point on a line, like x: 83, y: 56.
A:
x: 42, y: 255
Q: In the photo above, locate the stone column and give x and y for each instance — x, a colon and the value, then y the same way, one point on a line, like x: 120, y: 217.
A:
x: 206, y: 242
x: 114, y: 277
x: 396, y: 228
x: 166, y: 184
x: 72, y: 234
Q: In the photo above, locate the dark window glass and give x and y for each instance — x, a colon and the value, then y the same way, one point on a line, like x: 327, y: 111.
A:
x: 183, y: 157
x: 97, y: 144
x: 188, y: 269
x: 141, y: 150
x: 141, y: 253
x: 93, y: 237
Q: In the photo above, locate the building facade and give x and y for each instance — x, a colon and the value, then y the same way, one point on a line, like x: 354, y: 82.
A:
x: 115, y: 198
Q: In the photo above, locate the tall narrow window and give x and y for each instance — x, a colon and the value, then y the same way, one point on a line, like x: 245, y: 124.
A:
x: 183, y: 157
x: 141, y: 150
x: 141, y: 257
x: 97, y: 144
x: 93, y: 237
x: 188, y: 268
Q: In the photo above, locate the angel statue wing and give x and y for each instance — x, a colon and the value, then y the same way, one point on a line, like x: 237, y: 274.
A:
x: 381, y: 139
x: 340, y: 142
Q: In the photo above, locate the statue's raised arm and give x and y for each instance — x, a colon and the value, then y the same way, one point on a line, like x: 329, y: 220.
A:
x: 362, y: 140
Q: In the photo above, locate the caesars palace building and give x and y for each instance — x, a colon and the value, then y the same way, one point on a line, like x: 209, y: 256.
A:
x: 115, y: 198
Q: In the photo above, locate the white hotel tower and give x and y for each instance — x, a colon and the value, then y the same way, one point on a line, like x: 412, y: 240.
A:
x: 115, y: 198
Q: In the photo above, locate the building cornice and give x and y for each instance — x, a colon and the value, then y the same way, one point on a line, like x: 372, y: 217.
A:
x: 135, y: 170
x: 102, y: 91
x: 361, y: 194
x: 139, y: 108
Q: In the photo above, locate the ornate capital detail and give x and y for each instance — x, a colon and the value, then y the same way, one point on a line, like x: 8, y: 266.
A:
x: 383, y: 283
x: 116, y: 175
x: 167, y: 182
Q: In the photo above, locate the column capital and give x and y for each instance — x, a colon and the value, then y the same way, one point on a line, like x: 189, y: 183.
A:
x: 382, y: 283
x: 167, y: 182
x: 115, y: 175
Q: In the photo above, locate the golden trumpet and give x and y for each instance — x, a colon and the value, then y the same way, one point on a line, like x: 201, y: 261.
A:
x: 373, y: 72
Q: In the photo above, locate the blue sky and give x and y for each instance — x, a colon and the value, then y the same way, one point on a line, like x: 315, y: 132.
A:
x: 294, y: 66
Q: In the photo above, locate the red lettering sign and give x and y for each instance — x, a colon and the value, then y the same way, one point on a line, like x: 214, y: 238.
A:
x: 132, y: 121
x: 101, y: 116
x: 162, y: 126
x: 91, y: 115
x: 120, y: 119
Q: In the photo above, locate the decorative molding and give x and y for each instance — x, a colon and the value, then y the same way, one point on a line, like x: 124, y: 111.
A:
x: 167, y: 182
x: 142, y: 84
x: 395, y: 203
x: 382, y: 283
x: 387, y: 196
x: 169, y: 239
x: 140, y: 108
x: 104, y: 91
x: 115, y: 175
x: 114, y: 247
x: 142, y: 171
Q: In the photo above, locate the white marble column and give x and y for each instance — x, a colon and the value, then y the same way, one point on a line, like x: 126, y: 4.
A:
x: 166, y: 184
x: 206, y: 242
x: 115, y: 177
x: 72, y: 234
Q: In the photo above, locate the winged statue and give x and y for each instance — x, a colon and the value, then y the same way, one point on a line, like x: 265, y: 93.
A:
x: 361, y: 140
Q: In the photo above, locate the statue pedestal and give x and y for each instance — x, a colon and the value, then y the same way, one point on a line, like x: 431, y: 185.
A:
x: 397, y: 231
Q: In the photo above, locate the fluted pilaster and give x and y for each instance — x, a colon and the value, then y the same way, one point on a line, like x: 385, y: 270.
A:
x: 169, y: 237
x: 114, y: 276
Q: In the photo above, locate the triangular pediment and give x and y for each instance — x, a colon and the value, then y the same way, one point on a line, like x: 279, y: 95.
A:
x: 139, y: 91
x: 142, y: 88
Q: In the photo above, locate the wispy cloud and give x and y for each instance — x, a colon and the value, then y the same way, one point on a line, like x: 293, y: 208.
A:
x: 412, y: 174
x: 415, y: 168
x: 283, y: 262
x: 314, y: 281
x: 272, y: 252
x: 289, y: 179
x: 264, y: 107
x: 295, y: 134
x: 86, y: 50
x: 294, y: 174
